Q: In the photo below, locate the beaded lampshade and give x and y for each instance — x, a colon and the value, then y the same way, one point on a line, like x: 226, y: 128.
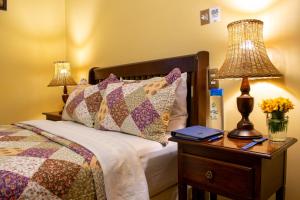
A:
x: 246, y: 53
x: 62, y: 75
x: 246, y: 58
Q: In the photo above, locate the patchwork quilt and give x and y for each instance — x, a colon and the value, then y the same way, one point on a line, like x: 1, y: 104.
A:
x: 35, y: 164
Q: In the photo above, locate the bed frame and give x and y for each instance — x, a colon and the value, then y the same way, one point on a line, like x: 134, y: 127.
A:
x: 196, y: 67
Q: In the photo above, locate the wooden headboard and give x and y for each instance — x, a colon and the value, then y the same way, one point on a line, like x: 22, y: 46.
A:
x: 196, y: 67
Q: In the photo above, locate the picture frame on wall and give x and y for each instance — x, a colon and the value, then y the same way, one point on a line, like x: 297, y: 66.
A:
x: 3, y: 4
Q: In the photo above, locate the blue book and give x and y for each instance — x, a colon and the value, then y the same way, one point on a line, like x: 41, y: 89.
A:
x: 196, y: 133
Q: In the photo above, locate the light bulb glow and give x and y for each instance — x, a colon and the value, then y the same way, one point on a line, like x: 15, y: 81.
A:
x: 247, y: 45
x: 250, y: 6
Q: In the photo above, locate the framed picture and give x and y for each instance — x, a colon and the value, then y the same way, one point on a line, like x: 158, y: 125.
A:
x: 3, y: 4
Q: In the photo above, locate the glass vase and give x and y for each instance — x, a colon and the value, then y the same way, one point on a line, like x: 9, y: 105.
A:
x: 277, y: 126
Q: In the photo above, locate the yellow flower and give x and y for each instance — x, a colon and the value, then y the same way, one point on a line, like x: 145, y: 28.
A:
x: 278, y: 104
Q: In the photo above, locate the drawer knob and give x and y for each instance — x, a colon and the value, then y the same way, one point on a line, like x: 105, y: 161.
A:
x: 209, y: 175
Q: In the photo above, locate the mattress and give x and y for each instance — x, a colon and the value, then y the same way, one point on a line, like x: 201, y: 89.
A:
x: 159, y: 162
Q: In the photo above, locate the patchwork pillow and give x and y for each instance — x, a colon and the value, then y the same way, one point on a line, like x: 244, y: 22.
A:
x: 84, y: 102
x: 179, y: 113
x: 140, y: 108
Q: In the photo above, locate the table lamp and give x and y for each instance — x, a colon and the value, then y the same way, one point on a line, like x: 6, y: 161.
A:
x: 246, y: 58
x: 62, y: 77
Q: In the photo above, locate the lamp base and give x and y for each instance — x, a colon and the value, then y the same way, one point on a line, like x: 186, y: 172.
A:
x: 245, y: 128
x: 64, y: 97
x: 244, y: 134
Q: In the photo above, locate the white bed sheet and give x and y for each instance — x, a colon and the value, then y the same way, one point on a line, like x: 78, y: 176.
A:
x: 159, y: 162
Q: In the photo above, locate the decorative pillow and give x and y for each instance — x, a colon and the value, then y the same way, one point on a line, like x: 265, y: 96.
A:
x: 179, y: 113
x: 140, y: 108
x: 84, y: 102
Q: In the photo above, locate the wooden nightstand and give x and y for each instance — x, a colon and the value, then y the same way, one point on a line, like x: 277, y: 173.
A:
x: 54, y: 116
x: 221, y: 167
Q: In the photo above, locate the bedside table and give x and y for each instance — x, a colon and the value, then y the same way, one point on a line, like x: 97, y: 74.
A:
x: 54, y: 116
x: 221, y: 167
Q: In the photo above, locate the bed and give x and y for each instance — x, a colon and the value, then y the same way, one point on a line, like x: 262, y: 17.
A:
x: 42, y: 159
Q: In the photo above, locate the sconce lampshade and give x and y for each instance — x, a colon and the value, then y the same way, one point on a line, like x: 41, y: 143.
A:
x: 246, y: 52
x: 62, y: 75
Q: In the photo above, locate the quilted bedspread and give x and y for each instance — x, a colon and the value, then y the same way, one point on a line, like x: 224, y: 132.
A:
x: 35, y: 164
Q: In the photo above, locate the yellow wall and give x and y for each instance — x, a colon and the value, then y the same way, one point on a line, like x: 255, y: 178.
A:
x: 32, y: 37
x: 109, y: 32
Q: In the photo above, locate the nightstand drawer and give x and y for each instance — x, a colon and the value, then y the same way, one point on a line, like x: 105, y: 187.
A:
x: 218, y: 176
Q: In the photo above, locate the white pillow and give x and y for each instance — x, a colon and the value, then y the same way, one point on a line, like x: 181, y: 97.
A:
x: 179, y: 113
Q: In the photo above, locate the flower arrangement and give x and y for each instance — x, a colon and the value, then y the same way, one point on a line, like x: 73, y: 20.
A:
x: 276, y: 120
x: 279, y: 104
